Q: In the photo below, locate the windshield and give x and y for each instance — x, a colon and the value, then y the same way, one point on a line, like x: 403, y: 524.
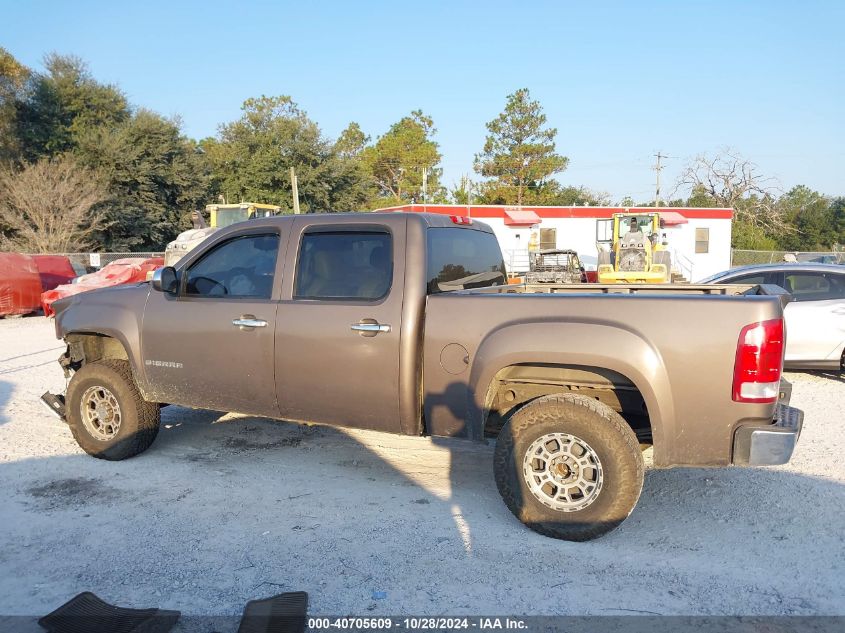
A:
x: 641, y: 222
x: 715, y: 277
x: 227, y: 217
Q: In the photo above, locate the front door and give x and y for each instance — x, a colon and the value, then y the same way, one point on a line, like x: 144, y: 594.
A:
x: 211, y: 346
x: 339, y: 324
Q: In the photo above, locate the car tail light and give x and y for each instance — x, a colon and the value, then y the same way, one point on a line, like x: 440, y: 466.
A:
x: 759, y: 361
x: 460, y: 219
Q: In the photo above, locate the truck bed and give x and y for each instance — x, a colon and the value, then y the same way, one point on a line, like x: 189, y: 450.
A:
x: 672, y: 344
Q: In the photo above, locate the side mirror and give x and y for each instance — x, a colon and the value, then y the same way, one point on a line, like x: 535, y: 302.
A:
x: 166, y: 280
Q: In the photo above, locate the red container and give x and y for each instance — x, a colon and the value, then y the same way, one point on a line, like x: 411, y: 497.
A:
x: 20, y: 285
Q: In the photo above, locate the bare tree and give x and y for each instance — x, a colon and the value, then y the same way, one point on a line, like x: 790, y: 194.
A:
x: 730, y: 180
x: 48, y: 206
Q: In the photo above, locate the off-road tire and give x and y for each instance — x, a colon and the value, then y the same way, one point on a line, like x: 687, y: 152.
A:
x: 612, y: 440
x: 139, y: 419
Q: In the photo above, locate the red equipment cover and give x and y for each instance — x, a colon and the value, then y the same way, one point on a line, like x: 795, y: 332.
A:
x: 54, y: 270
x: 20, y: 286
x: 121, y: 271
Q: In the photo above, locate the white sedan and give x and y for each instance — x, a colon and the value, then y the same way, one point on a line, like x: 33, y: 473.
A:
x: 815, y: 318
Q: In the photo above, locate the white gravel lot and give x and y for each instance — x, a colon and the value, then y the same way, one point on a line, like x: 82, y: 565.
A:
x: 224, y: 509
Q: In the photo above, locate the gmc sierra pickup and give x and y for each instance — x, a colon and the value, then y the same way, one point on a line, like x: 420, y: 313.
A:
x: 405, y: 323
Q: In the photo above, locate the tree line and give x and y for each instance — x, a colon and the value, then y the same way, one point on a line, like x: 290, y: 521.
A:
x: 82, y: 168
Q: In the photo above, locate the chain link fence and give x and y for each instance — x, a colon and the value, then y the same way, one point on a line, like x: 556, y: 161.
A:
x: 741, y: 257
x: 89, y: 262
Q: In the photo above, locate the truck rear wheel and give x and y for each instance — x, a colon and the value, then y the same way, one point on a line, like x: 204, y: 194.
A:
x: 568, y: 467
x: 106, y: 413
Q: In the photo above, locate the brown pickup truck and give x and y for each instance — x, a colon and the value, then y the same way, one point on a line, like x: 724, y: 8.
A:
x: 405, y: 323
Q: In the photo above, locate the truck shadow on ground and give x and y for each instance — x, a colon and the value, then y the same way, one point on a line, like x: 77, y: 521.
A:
x: 224, y: 509
x: 6, y: 391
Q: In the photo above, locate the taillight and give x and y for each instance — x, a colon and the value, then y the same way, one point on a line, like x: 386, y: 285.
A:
x: 460, y: 219
x: 759, y: 360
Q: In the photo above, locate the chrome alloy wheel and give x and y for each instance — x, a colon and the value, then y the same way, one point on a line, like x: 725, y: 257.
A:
x: 100, y: 413
x: 563, y: 472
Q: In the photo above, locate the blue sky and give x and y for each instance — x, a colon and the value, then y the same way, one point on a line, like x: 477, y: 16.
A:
x: 618, y: 80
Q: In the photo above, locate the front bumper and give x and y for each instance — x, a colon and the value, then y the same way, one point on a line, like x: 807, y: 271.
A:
x: 769, y: 445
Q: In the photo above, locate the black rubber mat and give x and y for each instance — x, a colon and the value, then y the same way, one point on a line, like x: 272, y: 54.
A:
x: 86, y: 613
x: 284, y: 613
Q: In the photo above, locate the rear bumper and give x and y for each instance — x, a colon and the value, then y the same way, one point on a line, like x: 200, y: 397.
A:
x: 769, y: 445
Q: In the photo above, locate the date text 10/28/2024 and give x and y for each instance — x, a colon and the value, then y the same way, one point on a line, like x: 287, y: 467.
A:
x: 416, y: 623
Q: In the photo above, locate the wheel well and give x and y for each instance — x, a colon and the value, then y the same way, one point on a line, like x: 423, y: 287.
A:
x: 516, y: 385
x: 90, y: 347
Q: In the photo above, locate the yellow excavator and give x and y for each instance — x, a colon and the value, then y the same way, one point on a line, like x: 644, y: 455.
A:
x: 635, y: 252
x: 219, y: 215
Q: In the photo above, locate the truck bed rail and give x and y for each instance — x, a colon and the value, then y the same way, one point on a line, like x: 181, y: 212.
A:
x: 642, y: 289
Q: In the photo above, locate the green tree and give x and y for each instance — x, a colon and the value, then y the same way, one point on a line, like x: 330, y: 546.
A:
x: 252, y: 157
x: 351, y: 141
x: 464, y: 192
x: 837, y: 212
x: 519, y: 153
x: 153, y: 175
x: 812, y: 215
x: 397, y: 160
x: 64, y: 104
x: 746, y: 235
x: 155, y: 178
x: 14, y: 80
x: 555, y: 194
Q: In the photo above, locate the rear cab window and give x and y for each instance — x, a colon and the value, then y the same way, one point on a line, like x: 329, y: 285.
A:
x: 461, y: 258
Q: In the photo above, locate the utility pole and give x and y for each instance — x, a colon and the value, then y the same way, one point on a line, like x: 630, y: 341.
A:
x: 295, y: 187
x: 657, y: 167
x: 425, y: 185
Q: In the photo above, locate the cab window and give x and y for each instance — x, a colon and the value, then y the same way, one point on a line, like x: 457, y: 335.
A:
x: 344, y: 265
x: 463, y: 258
x: 241, y: 267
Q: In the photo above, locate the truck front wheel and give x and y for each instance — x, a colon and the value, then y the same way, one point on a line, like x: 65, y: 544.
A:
x: 106, y: 413
x: 568, y: 467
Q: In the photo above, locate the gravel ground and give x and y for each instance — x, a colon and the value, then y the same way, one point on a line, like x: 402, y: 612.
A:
x: 224, y: 509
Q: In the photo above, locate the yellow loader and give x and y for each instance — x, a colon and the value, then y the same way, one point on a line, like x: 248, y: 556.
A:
x: 637, y: 253
x: 219, y: 215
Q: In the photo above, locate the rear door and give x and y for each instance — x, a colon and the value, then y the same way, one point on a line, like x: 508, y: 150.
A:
x: 212, y: 345
x: 339, y: 323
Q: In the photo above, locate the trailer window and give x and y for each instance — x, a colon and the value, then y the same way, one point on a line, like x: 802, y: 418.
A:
x: 463, y: 258
x: 548, y: 239
x: 702, y: 240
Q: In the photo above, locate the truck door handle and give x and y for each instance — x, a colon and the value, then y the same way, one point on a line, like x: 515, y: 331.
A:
x: 248, y: 322
x: 370, y: 327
